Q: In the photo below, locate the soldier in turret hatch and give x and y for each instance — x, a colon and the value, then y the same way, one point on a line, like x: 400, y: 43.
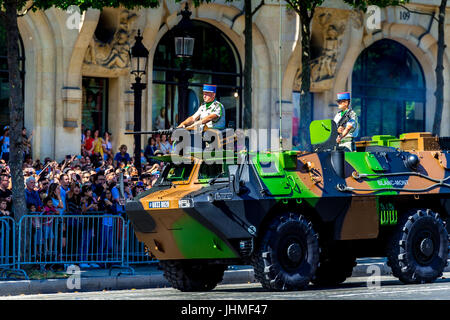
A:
x: 347, y: 122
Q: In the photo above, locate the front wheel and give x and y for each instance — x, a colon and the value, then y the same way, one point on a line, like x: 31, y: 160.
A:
x: 288, y: 255
x: 186, y: 275
x: 418, y: 250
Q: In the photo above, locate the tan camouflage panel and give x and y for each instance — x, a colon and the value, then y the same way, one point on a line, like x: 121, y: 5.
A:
x: 161, y: 242
x: 361, y: 220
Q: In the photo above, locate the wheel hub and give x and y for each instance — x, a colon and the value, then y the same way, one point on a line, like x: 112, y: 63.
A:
x: 294, y: 252
x: 427, y: 247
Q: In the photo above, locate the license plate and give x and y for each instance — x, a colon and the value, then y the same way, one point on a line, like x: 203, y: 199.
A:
x: 158, y: 204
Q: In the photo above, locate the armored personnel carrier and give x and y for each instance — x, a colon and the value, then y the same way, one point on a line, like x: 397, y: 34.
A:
x: 301, y: 217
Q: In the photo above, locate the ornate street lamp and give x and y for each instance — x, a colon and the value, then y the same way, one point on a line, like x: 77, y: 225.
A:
x: 139, y: 57
x: 184, y: 43
x: 139, y: 61
x: 184, y: 48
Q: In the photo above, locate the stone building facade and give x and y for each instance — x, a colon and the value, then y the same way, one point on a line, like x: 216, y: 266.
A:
x: 78, y: 70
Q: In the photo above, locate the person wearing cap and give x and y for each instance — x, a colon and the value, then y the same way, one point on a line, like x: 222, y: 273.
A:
x: 347, y: 122
x: 211, y: 113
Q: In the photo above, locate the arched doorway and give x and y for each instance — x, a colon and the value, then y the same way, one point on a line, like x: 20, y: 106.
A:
x: 388, y: 90
x: 214, y: 61
x: 4, y: 77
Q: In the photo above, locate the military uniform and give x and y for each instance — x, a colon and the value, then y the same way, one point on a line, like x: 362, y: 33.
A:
x: 351, y: 118
x: 214, y: 107
x: 207, y: 109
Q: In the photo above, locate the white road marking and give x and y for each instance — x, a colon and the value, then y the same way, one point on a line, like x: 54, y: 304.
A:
x: 392, y: 291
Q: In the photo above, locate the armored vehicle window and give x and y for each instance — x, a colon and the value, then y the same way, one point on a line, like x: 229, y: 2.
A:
x: 215, y: 170
x: 178, y: 172
x: 269, y: 167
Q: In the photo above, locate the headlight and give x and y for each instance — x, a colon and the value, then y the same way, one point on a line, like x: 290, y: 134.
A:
x: 186, y: 203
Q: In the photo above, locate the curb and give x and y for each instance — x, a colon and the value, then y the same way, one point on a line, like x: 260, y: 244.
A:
x: 367, y: 269
x: 13, y: 288
x: 152, y: 280
x: 362, y: 269
x: 123, y: 282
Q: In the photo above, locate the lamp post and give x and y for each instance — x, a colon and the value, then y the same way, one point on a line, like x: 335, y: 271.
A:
x: 184, y: 48
x: 139, y: 61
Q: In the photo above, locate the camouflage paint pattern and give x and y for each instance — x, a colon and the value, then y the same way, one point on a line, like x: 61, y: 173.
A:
x: 220, y: 217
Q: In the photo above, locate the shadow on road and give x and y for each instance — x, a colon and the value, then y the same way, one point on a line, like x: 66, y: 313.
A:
x: 345, y: 285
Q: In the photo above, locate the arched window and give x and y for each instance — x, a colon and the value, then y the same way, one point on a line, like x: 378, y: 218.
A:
x: 388, y: 90
x: 214, y: 61
x: 4, y: 77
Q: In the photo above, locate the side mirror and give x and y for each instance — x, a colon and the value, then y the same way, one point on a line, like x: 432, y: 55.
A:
x: 235, y: 178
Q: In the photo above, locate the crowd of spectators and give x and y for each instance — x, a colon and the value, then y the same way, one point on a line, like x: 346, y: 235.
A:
x: 86, y: 183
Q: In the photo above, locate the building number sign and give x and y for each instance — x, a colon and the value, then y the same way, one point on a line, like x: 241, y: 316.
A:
x: 373, y: 17
x: 404, y: 15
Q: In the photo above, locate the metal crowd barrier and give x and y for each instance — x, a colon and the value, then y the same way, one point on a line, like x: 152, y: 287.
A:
x: 136, y: 251
x: 96, y: 238
x: 8, y: 248
x: 71, y: 239
x: 7, y: 242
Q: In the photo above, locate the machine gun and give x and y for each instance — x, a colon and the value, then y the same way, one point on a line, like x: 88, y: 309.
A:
x: 223, y: 138
x: 344, y: 119
x: 160, y: 132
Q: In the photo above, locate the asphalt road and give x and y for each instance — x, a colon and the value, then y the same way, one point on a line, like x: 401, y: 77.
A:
x: 361, y: 288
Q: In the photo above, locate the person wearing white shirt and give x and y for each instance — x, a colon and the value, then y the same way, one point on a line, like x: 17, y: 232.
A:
x: 211, y: 113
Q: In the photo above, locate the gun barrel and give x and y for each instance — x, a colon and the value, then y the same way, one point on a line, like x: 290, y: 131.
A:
x: 168, y: 131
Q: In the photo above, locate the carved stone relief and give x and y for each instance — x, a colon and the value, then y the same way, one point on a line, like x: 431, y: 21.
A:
x: 323, y: 68
x: 357, y: 19
x: 111, y: 57
x: 330, y: 25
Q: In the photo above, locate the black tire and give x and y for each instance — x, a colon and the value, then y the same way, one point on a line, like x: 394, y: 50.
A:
x: 192, y: 276
x: 334, y: 268
x: 418, y: 250
x: 288, y: 254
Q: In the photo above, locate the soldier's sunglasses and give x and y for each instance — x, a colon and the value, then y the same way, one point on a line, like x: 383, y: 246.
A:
x: 340, y: 101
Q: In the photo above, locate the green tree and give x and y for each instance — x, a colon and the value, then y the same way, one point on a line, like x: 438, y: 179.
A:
x: 11, y: 11
x: 439, y: 93
x: 440, y: 70
x: 305, y: 9
x: 248, y: 36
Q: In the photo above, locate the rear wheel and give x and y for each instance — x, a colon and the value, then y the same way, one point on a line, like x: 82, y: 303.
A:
x: 192, y: 276
x: 288, y: 255
x: 418, y: 250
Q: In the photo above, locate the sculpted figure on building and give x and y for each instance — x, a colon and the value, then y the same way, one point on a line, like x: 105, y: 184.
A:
x: 115, y: 53
x: 324, y: 67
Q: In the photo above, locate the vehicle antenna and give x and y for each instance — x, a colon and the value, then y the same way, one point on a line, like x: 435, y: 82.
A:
x: 279, y: 79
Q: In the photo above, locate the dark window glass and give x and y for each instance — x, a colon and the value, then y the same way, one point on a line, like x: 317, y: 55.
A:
x: 214, y: 170
x: 296, y: 116
x: 94, y: 114
x: 414, y: 114
x: 4, y: 78
x: 178, y: 172
x: 268, y: 167
x: 214, y: 61
x: 388, y: 90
